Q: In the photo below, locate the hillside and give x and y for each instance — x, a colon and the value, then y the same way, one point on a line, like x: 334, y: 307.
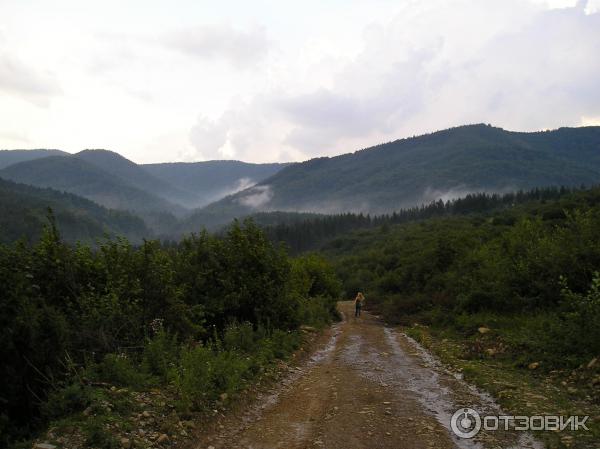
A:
x: 75, y: 175
x: 417, y: 170
x: 212, y: 180
x: 136, y: 175
x: 10, y: 157
x: 24, y: 210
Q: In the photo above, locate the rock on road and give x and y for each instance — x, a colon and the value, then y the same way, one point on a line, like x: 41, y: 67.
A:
x: 368, y: 387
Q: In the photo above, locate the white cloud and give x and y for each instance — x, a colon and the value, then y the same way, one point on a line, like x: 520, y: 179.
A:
x: 592, y: 7
x: 210, y: 136
x: 256, y: 196
x: 15, y: 137
x: 268, y: 81
x: 590, y: 121
x: 241, y: 48
x: 511, y: 63
x: 19, y: 79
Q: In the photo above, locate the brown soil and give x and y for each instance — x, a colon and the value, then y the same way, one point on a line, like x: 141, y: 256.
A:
x: 367, y: 387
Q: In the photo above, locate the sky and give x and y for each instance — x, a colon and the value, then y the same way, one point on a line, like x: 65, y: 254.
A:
x: 278, y: 80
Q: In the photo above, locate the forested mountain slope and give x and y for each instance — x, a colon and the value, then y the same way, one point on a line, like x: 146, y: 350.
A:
x: 416, y: 170
x: 75, y: 175
x: 136, y: 175
x: 211, y: 180
x: 24, y: 213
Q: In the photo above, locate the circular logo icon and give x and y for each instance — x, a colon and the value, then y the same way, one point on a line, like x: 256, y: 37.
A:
x: 465, y: 423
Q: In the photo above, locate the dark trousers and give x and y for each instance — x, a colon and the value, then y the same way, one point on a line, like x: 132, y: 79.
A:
x: 357, y: 311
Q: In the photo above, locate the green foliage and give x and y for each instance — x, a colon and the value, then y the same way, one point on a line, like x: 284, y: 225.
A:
x: 527, y: 268
x: 161, y: 354
x: 98, y: 437
x: 205, y: 374
x: 23, y: 214
x: 242, y: 338
x: 317, y: 289
x: 305, y: 232
x: 577, y: 331
x: 65, y: 401
x: 135, y: 316
x: 118, y: 369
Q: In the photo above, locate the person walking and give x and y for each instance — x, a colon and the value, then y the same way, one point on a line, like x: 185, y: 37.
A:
x: 358, y: 303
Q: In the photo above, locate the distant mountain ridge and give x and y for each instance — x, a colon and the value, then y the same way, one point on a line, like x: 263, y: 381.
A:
x: 380, y: 179
x: 10, y: 157
x: 24, y: 213
x: 215, y: 179
x: 159, y: 192
x: 76, y: 175
x: 137, y: 176
x: 407, y: 172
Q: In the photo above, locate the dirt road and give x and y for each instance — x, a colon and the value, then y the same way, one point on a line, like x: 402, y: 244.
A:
x: 367, y: 387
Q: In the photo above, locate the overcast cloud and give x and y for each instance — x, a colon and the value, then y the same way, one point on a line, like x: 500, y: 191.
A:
x: 213, y: 42
x: 17, y: 79
x: 289, y: 81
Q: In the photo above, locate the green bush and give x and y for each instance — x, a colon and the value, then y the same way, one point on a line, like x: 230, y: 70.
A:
x: 205, y: 374
x: 194, y: 379
x: 317, y: 311
x: 121, y: 370
x: 284, y: 343
x: 97, y: 436
x: 242, y: 337
x: 161, y: 355
x: 573, y: 336
x: 65, y: 401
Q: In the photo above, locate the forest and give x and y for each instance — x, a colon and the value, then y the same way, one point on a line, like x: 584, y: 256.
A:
x: 305, y: 232
x: 142, y: 316
x: 531, y: 272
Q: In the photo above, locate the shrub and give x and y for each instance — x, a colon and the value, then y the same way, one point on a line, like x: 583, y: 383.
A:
x: 161, y: 355
x: 98, y: 437
x: 318, y: 311
x: 576, y: 333
x: 205, y: 374
x: 284, y: 343
x: 241, y: 337
x: 62, y: 402
x: 120, y: 370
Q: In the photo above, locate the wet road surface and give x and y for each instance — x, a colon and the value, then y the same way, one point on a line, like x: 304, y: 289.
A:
x: 370, y: 387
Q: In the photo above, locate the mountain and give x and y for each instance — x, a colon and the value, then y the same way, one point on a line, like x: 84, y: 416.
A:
x: 212, y: 180
x: 136, y: 176
x: 10, y: 157
x: 406, y: 172
x: 24, y: 210
x: 75, y: 175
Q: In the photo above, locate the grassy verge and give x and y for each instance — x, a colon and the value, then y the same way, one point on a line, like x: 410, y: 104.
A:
x: 164, y: 397
x: 486, y: 360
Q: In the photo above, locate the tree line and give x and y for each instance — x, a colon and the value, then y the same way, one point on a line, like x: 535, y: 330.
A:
x: 305, y: 232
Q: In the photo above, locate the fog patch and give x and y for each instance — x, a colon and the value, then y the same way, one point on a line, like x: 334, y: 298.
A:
x: 243, y: 184
x: 453, y: 193
x: 238, y: 186
x: 462, y: 191
x: 256, y: 196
